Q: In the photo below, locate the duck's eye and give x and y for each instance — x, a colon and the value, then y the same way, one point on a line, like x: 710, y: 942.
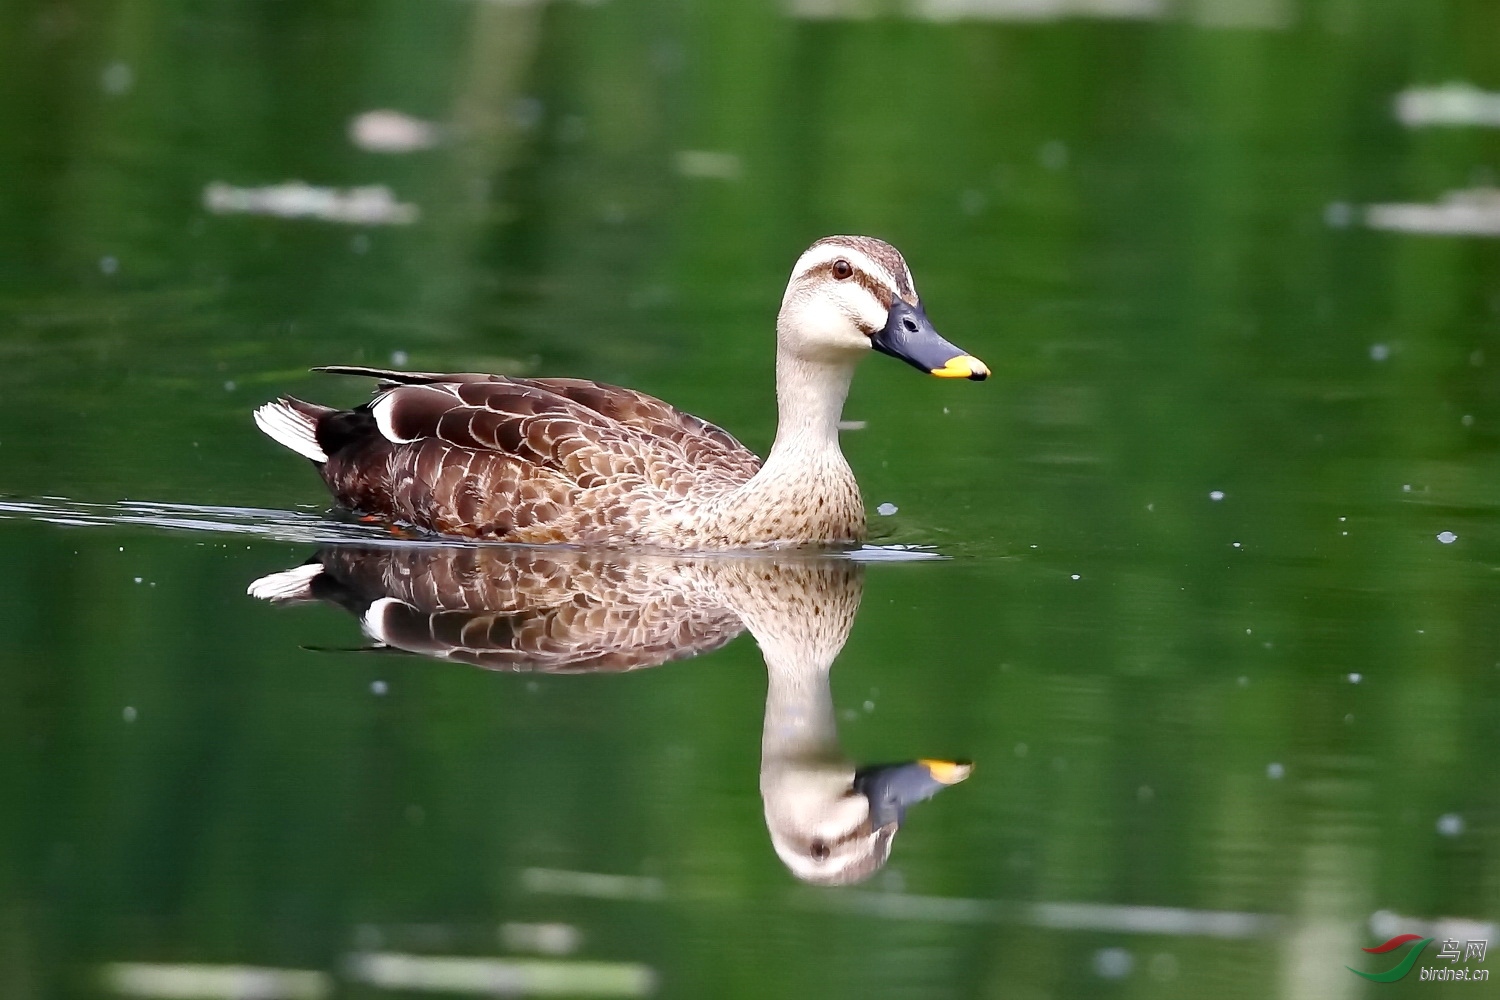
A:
x: 842, y: 269
x: 819, y: 848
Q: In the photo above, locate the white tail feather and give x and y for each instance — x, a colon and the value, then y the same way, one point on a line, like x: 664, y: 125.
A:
x: 291, y: 428
x: 289, y: 585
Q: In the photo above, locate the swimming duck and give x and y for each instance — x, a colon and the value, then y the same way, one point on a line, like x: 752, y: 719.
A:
x: 539, y: 460
x: 562, y: 610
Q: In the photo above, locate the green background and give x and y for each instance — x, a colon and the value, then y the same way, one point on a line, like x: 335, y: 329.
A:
x: 1149, y: 227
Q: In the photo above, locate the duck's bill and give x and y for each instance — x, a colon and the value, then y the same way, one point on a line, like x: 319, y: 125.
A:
x: 892, y: 787
x: 909, y: 335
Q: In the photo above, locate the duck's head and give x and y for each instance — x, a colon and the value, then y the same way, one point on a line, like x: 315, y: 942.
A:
x: 834, y: 826
x: 849, y: 294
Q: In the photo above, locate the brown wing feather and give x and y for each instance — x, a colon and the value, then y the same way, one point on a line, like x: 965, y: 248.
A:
x: 536, y: 460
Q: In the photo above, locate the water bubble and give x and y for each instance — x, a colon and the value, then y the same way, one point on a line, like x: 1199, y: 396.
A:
x: 117, y: 79
x: 1355, y: 678
x: 869, y: 706
x: 1275, y: 771
x: 378, y: 688
x: 886, y: 509
x: 1447, y: 537
x: 108, y: 265
x: 399, y: 357
x: 1467, y: 420
x: 129, y: 713
x: 1379, y: 352
x: 1113, y: 963
x: 1216, y: 495
x: 1450, y: 824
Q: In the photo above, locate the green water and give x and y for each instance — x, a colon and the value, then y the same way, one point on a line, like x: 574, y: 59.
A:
x: 1220, y: 745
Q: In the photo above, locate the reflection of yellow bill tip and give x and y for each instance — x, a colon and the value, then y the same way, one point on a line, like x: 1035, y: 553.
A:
x: 963, y: 366
x: 949, y: 772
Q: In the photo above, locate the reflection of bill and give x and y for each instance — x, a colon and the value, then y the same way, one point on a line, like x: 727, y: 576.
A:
x: 569, y: 611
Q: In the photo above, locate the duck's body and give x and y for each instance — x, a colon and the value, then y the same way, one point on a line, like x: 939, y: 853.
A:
x: 568, y: 460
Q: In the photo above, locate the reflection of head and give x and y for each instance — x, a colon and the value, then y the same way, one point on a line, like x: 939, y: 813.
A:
x: 573, y: 611
x: 831, y: 825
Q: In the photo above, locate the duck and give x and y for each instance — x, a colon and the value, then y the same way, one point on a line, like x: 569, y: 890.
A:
x: 573, y: 461
x: 561, y: 610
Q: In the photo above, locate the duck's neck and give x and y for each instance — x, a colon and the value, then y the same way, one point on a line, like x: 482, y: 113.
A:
x: 809, y: 401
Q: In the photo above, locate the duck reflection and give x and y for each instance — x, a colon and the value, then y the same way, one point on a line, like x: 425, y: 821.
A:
x: 569, y: 611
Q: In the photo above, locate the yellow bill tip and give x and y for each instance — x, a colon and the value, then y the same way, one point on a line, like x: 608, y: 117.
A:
x: 963, y: 366
x: 949, y: 772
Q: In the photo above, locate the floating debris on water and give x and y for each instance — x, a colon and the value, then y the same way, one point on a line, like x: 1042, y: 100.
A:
x: 708, y: 164
x: 853, y: 425
x: 1216, y: 495
x: 886, y: 509
x: 129, y: 713
x: 387, y: 131
x: 400, y: 358
x: 378, y: 688
x: 1355, y: 678
x: 1447, y: 537
x: 1451, y: 104
x: 373, y: 205
x: 1077, y: 576
x: 1467, y: 212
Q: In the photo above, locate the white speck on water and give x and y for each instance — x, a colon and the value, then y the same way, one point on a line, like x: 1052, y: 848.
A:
x: 1248, y: 632
x: 117, y: 79
x: 1343, y: 532
x: 886, y: 509
x: 1406, y: 487
x: 399, y: 357
x: 122, y: 548
x: 1053, y: 155
x: 378, y: 688
x: 1447, y: 537
x: 1467, y: 420
x: 1379, y: 352
x: 1216, y: 495
x: 229, y: 386
x: 1033, y: 546
x: 1355, y: 678
x: 1342, y: 519
x: 1151, y: 508
x: 1236, y: 544
x: 108, y: 265
x: 128, y: 714
x: 1113, y: 963
x: 1077, y: 577
x: 946, y: 411
x: 1275, y: 771
x: 869, y: 705
x: 1022, y: 749
x: 1450, y: 824
x: 137, y: 579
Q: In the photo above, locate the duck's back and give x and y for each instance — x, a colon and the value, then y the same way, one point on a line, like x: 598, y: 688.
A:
x: 523, y: 460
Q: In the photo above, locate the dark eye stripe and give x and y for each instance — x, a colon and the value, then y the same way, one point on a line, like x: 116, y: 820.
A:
x: 879, y: 289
